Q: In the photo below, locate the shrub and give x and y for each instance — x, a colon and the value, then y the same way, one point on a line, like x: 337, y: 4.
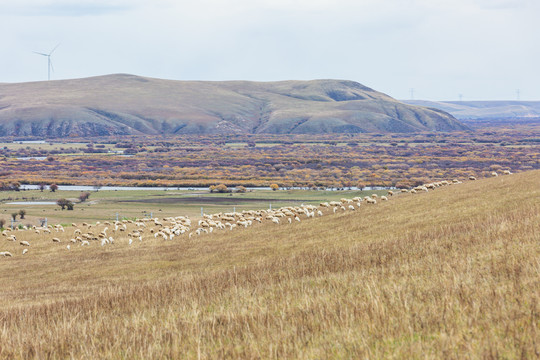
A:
x: 84, y: 196
x: 62, y: 203
x: 222, y: 188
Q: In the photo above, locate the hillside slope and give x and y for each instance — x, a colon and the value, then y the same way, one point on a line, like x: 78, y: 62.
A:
x: 484, y: 109
x: 127, y: 104
x: 452, y: 273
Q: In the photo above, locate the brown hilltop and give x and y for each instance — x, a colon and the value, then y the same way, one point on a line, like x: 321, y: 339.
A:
x: 128, y: 104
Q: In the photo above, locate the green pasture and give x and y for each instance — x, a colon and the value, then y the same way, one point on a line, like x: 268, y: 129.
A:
x: 106, y: 204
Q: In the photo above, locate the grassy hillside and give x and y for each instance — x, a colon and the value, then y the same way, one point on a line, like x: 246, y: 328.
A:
x: 127, y: 104
x: 452, y: 273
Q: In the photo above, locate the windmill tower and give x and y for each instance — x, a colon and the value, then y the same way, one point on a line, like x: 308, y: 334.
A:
x: 49, y: 63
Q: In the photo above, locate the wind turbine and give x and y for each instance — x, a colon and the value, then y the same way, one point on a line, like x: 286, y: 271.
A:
x: 49, y: 63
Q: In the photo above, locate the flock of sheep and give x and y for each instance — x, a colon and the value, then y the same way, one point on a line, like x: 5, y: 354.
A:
x: 129, y: 231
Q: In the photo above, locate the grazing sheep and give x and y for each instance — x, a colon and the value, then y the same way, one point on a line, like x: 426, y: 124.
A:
x: 68, y: 247
x: 85, y: 242
x: 507, y: 172
x: 130, y: 241
x: 351, y: 207
x: 374, y: 196
x: 319, y: 212
x: 494, y: 174
x: 390, y: 193
x: 24, y: 251
x: 384, y: 198
x: 472, y: 178
x: 24, y: 243
x: 6, y: 253
x: 56, y: 240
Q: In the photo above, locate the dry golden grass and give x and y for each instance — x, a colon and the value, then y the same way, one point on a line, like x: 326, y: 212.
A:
x: 453, y: 273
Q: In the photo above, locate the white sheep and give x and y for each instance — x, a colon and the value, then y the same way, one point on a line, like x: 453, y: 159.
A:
x: 24, y: 243
x: 56, y: 240
x: 6, y: 253
x: 384, y: 198
x: 24, y: 251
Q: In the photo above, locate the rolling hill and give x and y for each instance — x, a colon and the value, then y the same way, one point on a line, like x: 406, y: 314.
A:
x: 127, y: 104
x: 484, y: 109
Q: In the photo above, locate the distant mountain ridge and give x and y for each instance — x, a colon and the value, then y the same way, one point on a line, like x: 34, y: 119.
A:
x: 128, y: 104
x: 508, y: 109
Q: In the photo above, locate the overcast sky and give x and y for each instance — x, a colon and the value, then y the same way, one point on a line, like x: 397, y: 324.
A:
x: 482, y: 49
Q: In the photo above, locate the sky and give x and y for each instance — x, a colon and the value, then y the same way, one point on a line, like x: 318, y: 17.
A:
x: 420, y: 49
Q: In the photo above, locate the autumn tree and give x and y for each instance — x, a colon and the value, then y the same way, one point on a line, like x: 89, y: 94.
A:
x: 360, y: 185
x: 62, y: 203
x: 84, y: 196
x: 241, y: 189
x: 22, y: 213
x: 222, y: 188
x: 14, y: 216
x: 274, y: 187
